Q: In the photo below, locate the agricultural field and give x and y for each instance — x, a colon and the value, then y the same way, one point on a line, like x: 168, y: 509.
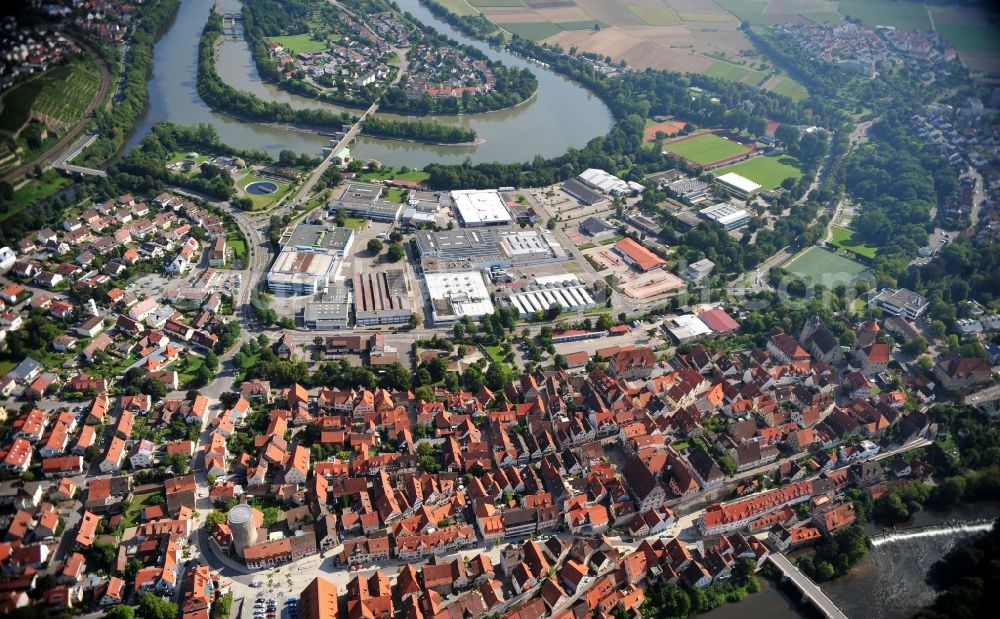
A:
x: 844, y: 239
x: 768, y: 172
x: 822, y: 266
x: 655, y: 13
x: 482, y: 4
x: 907, y: 15
x: 61, y: 95
x: 705, y: 148
x: 769, y: 12
x: 299, y: 43
x: 972, y: 32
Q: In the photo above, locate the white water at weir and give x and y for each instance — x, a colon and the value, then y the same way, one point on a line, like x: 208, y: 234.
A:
x: 934, y: 531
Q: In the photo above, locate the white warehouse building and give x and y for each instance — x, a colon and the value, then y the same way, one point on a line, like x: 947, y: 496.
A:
x: 570, y: 294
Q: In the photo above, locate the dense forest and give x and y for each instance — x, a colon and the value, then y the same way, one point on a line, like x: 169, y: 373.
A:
x: 246, y: 106
x: 967, y: 579
x: 115, y: 124
x: 264, y: 18
x: 898, y: 181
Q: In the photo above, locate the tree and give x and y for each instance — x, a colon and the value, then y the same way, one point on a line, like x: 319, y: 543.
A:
x: 396, y: 252
x: 375, y: 247
x: 415, y: 320
x: 604, y: 322
x: 178, y: 463
x: 214, y: 519
x: 120, y: 611
x: 211, y: 361
x: 152, y: 606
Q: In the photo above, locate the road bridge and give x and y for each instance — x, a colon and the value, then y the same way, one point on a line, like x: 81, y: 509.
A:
x: 810, y: 590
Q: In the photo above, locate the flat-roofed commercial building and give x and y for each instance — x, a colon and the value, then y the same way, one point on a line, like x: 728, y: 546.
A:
x: 331, y: 313
x: 458, y: 250
x: 309, y: 259
x: 476, y: 208
x: 686, y: 328
x: 525, y: 247
x: 381, y: 298
x: 363, y: 201
x: 727, y: 215
x: 455, y: 295
x: 643, y: 222
x: 900, y: 302
x: 738, y: 185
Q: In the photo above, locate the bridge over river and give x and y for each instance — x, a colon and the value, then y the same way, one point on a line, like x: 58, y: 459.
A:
x: 807, y: 587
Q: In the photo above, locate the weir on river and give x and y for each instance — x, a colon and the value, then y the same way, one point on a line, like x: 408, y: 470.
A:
x: 561, y: 115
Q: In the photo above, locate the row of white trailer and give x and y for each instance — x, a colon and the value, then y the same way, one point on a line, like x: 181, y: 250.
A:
x: 575, y: 298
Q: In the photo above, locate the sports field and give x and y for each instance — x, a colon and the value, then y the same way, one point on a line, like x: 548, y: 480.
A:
x: 768, y: 172
x: 844, y: 239
x: 299, y: 43
x: 822, y: 266
x: 705, y: 148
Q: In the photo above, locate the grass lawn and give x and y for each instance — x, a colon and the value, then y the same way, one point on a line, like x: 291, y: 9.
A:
x: 356, y: 223
x: 767, y: 172
x: 735, y: 73
x: 136, y: 505
x: 786, y: 86
x: 905, y: 15
x: 33, y: 192
x: 239, y: 247
x: 706, y: 148
x: 299, y: 43
x: 187, y: 368
x: 612, y: 240
x: 495, y: 354
x: 394, y: 194
x: 6, y: 366
x: 417, y: 176
x: 263, y: 202
x: 536, y: 31
x: 822, y: 266
x: 844, y: 239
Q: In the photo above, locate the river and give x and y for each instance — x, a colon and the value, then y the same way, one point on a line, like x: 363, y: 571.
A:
x: 889, y: 583
x: 545, y: 125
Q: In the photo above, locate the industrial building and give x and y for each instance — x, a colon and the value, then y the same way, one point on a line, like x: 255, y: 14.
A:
x: 686, y: 328
x: 642, y: 222
x: 524, y: 247
x: 697, y: 271
x: 458, y: 250
x: 309, y: 259
x: 583, y: 193
x: 381, y: 298
x: 456, y: 295
x: 476, y: 208
x: 609, y: 183
x: 363, y: 201
x: 569, y: 293
x: 738, y: 185
x: 331, y: 313
x: 637, y: 256
x: 727, y: 215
